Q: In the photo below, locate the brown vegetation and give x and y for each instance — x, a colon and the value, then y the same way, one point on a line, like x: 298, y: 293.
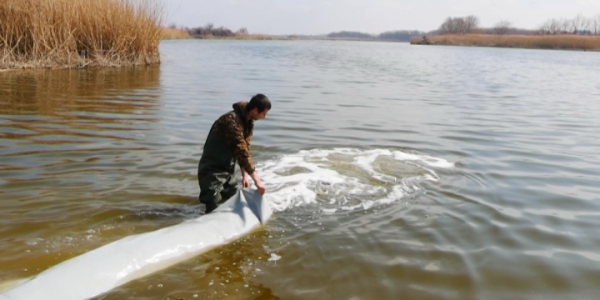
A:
x: 78, y: 33
x: 566, y: 42
x: 173, y: 34
x: 255, y: 37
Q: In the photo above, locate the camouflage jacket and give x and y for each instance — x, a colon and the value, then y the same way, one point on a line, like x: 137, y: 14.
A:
x: 228, y: 142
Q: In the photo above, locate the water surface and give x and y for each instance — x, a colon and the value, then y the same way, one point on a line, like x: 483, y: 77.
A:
x: 396, y: 171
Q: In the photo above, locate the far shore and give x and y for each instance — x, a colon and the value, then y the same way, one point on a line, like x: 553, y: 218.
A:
x: 553, y: 42
x: 176, y: 34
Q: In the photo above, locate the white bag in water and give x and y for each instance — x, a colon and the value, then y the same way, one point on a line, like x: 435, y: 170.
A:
x: 117, y: 263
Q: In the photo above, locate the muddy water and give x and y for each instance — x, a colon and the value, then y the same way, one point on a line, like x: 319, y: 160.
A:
x: 396, y: 171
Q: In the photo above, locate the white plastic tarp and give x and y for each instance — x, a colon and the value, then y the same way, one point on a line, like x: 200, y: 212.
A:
x: 117, y: 263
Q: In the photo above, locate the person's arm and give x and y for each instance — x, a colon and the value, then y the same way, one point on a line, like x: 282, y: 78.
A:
x: 241, y: 151
x: 259, y: 185
x: 229, y: 128
x: 257, y: 181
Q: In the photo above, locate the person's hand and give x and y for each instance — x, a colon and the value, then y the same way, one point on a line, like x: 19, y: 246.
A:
x: 261, y: 188
x: 245, y: 182
x: 259, y: 185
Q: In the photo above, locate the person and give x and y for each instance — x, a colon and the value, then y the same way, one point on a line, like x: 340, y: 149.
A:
x: 228, y: 143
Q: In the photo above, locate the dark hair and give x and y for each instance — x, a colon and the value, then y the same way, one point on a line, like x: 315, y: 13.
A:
x: 259, y: 101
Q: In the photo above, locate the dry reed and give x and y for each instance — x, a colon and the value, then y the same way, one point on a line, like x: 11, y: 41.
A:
x: 564, y: 42
x: 78, y: 33
x: 259, y: 37
x: 173, y: 34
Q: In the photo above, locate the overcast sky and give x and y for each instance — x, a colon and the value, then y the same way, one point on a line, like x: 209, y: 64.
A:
x: 369, y: 16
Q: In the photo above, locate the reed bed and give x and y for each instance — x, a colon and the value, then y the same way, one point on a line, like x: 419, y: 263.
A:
x: 259, y: 37
x: 564, y: 42
x: 79, y: 33
x: 173, y: 34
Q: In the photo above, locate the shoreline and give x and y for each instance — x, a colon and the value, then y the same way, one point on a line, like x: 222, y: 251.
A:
x: 288, y: 38
x: 545, y: 42
x: 542, y: 42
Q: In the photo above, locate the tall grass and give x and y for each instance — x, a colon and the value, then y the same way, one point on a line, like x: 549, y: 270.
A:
x: 565, y: 42
x: 78, y: 33
x: 173, y: 34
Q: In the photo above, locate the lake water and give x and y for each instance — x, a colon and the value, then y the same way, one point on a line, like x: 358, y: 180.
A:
x: 395, y: 171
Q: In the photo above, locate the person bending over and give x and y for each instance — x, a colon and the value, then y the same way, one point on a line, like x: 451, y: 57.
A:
x: 228, y: 143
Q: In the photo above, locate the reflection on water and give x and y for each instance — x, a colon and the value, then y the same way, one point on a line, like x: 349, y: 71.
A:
x: 51, y: 92
x: 396, y: 171
x: 67, y: 143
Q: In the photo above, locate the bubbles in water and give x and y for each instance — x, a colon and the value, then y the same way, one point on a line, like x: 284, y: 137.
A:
x: 346, y: 179
x: 33, y: 242
x: 274, y: 257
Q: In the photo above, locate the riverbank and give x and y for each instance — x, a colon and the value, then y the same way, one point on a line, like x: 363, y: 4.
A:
x: 557, y: 42
x: 260, y: 37
x: 59, y: 34
x: 178, y: 34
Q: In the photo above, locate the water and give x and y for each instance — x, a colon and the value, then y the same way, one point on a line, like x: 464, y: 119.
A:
x: 396, y: 171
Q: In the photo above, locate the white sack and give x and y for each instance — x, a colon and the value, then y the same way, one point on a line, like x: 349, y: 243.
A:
x: 119, y: 262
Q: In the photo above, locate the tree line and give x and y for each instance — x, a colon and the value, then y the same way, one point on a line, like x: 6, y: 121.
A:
x: 577, y: 25
x: 210, y: 30
x: 459, y: 25
x: 452, y: 25
x: 470, y: 24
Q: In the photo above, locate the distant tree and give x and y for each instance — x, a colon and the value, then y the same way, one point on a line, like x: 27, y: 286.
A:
x: 502, y: 27
x: 350, y: 34
x: 242, y: 31
x: 471, y: 23
x: 579, y: 24
x: 552, y: 27
x: 459, y: 25
x: 587, y: 24
x: 400, y: 35
x: 596, y: 25
x: 209, y: 30
x: 172, y: 25
x: 564, y: 26
x: 222, y: 32
x: 448, y: 26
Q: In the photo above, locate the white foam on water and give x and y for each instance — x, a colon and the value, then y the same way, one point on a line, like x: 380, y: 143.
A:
x: 428, y: 160
x: 346, y: 179
x: 274, y: 257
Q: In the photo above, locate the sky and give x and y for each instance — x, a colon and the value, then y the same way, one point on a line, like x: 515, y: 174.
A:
x: 313, y: 17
